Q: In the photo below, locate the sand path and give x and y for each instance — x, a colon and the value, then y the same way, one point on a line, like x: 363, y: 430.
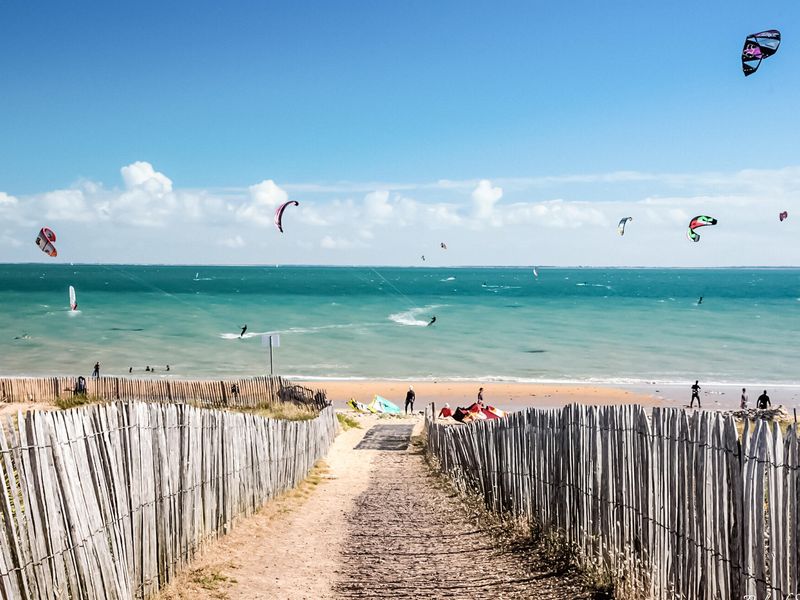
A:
x: 378, y: 525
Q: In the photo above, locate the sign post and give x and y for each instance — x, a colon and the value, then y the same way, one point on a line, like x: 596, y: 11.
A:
x: 273, y: 340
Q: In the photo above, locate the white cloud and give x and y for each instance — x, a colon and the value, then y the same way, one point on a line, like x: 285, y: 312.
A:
x: 66, y: 205
x: 573, y: 223
x: 556, y: 214
x: 377, y: 207
x: 265, y: 197
x: 142, y: 175
x: 484, y: 198
x: 7, y: 201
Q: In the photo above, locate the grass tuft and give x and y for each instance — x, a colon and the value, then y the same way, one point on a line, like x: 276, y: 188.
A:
x: 347, y: 422
x: 284, y: 411
x: 77, y: 400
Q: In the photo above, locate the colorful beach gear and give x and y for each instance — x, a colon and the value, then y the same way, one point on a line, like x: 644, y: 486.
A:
x: 381, y: 405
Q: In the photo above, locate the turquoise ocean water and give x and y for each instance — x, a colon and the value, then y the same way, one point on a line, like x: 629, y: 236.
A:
x: 579, y: 325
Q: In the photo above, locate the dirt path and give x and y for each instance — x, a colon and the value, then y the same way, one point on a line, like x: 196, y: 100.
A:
x: 377, y: 525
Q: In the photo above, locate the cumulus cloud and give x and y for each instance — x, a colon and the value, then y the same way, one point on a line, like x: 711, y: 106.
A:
x: 484, y: 198
x: 142, y: 175
x: 7, y: 201
x: 265, y: 197
x: 66, y: 205
x: 377, y: 207
x: 155, y: 221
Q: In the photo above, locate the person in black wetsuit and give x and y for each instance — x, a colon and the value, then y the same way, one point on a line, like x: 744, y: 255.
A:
x: 695, y: 394
x: 433, y: 320
x: 763, y: 401
x: 243, y: 330
x: 410, y: 397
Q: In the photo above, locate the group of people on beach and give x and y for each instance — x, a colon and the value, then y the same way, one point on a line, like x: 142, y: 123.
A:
x: 762, y: 403
x: 476, y: 411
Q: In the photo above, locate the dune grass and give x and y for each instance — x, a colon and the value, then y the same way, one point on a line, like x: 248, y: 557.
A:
x: 285, y: 411
x: 347, y: 422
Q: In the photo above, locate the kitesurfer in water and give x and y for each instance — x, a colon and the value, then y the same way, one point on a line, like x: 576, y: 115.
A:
x: 700, y: 301
x: 243, y: 330
x: 433, y: 320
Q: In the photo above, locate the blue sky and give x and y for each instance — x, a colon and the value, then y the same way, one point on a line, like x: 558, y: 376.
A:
x: 221, y: 97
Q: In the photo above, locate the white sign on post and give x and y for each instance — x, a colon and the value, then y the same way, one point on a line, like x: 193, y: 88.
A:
x: 276, y: 340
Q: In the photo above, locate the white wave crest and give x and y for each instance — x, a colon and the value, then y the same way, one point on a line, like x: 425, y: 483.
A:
x: 409, y: 317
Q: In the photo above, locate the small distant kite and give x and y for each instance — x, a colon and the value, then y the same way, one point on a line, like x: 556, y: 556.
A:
x: 757, y: 47
x: 423, y: 256
x: 535, y: 272
x: 443, y: 245
x: 782, y: 216
x: 621, y: 226
x: 279, y: 213
x: 45, y: 241
x: 699, y: 221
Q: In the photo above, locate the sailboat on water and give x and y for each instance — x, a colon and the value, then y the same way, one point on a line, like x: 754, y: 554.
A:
x: 73, y: 301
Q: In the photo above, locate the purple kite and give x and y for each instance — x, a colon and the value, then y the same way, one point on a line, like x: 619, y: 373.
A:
x: 279, y: 213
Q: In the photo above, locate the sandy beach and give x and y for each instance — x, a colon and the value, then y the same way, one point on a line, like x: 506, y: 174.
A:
x: 508, y: 396
x: 516, y: 396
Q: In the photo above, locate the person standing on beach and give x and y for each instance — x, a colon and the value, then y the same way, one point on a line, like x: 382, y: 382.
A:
x: 480, y: 396
x: 695, y: 394
x: 244, y: 329
x: 96, y: 372
x: 763, y: 401
x: 743, y: 405
x: 410, y: 397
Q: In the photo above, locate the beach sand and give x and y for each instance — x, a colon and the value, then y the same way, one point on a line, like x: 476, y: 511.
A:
x: 507, y: 396
x: 515, y: 396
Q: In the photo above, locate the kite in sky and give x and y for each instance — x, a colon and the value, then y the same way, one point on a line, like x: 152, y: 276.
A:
x: 699, y: 221
x: 783, y: 216
x: 279, y: 213
x: 443, y: 245
x: 621, y: 226
x: 45, y: 241
x: 757, y: 47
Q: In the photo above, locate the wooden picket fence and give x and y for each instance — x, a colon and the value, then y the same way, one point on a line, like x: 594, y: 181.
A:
x: 250, y: 392
x: 669, y: 504
x: 108, y: 501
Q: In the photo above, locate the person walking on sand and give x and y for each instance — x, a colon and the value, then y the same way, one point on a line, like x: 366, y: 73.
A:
x: 695, y: 394
x: 410, y: 397
x: 480, y: 396
x: 743, y: 405
x: 96, y: 372
x: 763, y: 401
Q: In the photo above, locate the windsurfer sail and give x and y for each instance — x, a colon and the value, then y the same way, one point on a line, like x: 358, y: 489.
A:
x: 73, y: 302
